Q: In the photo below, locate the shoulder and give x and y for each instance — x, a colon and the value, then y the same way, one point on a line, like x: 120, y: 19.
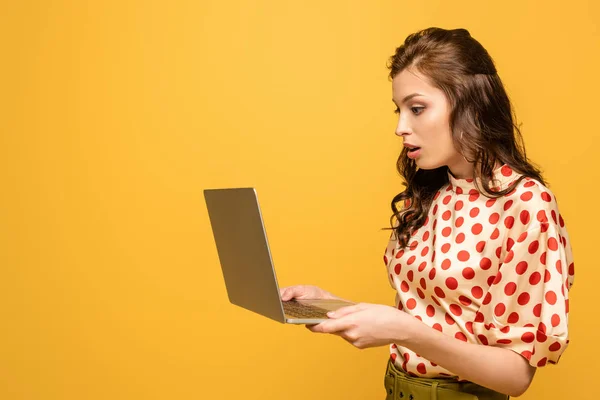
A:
x: 533, y: 201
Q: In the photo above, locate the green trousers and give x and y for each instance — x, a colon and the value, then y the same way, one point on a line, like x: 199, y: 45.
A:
x: 401, y: 386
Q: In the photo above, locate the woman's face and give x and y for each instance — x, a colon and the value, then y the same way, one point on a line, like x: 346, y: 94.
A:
x: 424, y: 124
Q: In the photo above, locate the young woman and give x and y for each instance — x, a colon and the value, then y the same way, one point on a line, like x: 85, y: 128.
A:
x: 479, y: 255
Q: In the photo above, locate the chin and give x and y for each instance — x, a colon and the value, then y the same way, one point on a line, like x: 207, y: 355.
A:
x: 428, y: 164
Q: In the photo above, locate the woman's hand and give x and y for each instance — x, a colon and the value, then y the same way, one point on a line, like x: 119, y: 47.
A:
x: 305, y: 292
x: 368, y: 325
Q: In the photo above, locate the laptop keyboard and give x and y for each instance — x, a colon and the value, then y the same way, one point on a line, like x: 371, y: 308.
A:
x: 295, y: 309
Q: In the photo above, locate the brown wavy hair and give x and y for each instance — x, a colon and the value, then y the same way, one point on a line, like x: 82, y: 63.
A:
x: 482, y: 121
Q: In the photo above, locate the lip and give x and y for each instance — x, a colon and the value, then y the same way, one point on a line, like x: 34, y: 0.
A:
x: 410, y: 146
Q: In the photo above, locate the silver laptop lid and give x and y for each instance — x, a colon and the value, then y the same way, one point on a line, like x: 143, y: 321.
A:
x: 243, y: 250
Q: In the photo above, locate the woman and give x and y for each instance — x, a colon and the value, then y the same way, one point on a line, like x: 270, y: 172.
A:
x: 479, y: 255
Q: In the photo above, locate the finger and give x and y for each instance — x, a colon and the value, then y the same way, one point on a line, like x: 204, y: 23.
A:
x: 340, y: 312
x: 330, y: 326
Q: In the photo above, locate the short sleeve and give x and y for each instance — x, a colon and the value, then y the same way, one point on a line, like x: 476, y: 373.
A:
x: 526, y: 308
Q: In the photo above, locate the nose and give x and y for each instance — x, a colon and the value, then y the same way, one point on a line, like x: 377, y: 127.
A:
x: 402, y: 129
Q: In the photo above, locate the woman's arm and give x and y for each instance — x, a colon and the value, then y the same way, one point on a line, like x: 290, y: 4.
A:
x: 370, y: 325
x: 499, y: 369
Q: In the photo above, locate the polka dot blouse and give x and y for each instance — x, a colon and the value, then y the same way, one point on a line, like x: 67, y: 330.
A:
x: 488, y: 271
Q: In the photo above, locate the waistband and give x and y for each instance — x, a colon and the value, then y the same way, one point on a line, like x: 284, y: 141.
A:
x: 400, y: 385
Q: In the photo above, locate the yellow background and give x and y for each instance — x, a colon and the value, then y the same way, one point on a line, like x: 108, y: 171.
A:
x: 115, y: 115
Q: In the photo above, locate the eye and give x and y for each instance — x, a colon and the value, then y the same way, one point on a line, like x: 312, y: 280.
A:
x: 417, y: 110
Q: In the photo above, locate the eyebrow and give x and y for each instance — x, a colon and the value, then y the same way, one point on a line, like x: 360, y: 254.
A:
x: 410, y: 96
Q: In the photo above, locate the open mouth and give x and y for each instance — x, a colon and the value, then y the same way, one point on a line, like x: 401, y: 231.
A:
x: 414, y: 149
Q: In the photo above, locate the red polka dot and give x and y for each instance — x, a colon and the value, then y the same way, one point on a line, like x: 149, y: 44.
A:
x: 459, y: 205
x: 432, y: 274
x: 410, y: 275
x: 451, y: 283
x: 480, y: 246
x: 542, y: 362
x: 487, y: 299
x: 546, y: 197
x: 411, y: 260
x: 437, y: 327
x: 455, y: 309
x: 524, y: 217
x: 439, y: 292
x: 423, y: 283
x: 541, y: 216
x: 522, y: 267
x: 555, y: 320
x: 411, y: 304
x: 527, y: 354
x: 476, y: 229
x: 506, y: 170
x: 446, y: 231
x: 491, y: 279
x: 509, y: 222
x: 485, y: 263
x: 482, y: 339
x: 561, y: 221
x: 504, y: 341
x: 552, y: 244
x: 509, y: 257
x: 447, y: 199
x: 446, y: 215
x: 551, y: 297
x: 500, y: 309
x: 446, y: 264
x: 445, y: 248
x: 473, y: 195
x: 449, y: 319
x: 528, y: 337
x: 554, y: 346
x: 527, y: 196
x: 474, y: 212
x: 510, y: 288
x: 430, y: 311
x: 436, y: 301
x: 435, y: 208
x: 459, y: 221
x: 529, y: 183
x: 533, y: 247
x: 464, y: 300
x: 414, y: 245
x: 420, y: 293
x: 479, y: 317
x: 513, y: 318
x: 541, y: 337
x: 460, y: 336
x: 404, y: 286
x: 495, y: 217
x: 468, y: 273
x: 421, y: 368
x: 422, y: 266
x: 547, y: 276
x: 463, y: 255
x: 490, y: 202
x: 535, y: 278
x: 498, y: 252
x: 426, y: 235
x: 537, y: 310
x: 523, y: 298
x: 507, y: 205
x: 477, y: 292
x: 400, y: 253
x: 522, y: 237
x: 572, y: 269
x: 425, y: 251
x: 397, y: 268
x: 495, y: 234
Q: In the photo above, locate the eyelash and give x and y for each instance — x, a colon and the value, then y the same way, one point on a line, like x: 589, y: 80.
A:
x: 397, y: 110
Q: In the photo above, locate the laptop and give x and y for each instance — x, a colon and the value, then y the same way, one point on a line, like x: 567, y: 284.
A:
x: 246, y: 261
